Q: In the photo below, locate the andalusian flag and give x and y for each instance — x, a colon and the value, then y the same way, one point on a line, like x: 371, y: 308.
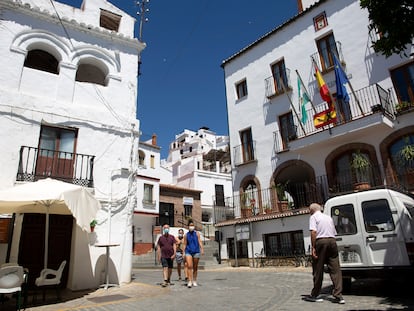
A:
x: 323, y: 88
x: 303, y: 100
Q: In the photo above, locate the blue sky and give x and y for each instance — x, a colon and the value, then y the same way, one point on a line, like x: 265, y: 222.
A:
x: 182, y: 83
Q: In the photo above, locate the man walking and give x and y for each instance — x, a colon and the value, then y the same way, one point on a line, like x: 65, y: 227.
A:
x: 166, y: 251
x: 324, y: 251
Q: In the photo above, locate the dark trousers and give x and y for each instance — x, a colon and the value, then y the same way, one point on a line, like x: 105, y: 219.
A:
x: 327, y: 252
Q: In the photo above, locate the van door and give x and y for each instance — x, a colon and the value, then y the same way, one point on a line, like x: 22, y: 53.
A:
x: 352, y: 253
x: 382, y: 233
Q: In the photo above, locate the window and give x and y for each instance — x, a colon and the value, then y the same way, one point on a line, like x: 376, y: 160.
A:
x: 241, y: 89
x: 377, y: 216
x: 242, y: 251
x: 152, y: 161
x: 90, y: 73
x: 280, y: 77
x: 344, y: 219
x: 403, y: 80
x: 219, y: 189
x: 247, y: 145
x: 109, y: 20
x: 56, y: 156
x: 141, y: 158
x: 148, y: 194
x: 287, y: 129
x: 284, y: 243
x: 41, y: 60
x: 320, y: 21
x: 350, y: 171
x: 326, y: 48
x: 188, y: 210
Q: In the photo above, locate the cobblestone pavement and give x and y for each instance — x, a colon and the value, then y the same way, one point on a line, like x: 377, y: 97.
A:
x: 227, y: 288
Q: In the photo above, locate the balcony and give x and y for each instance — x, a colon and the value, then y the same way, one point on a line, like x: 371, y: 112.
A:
x: 268, y: 203
x: 245, y: 153
x: 363, y: 103
x: 35, y: 164
x: 275, y: 86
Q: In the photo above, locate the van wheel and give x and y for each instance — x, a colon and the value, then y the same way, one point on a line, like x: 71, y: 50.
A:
x: 346, y: 284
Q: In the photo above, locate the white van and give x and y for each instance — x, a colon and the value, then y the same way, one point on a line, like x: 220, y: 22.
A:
x: 375, y: 233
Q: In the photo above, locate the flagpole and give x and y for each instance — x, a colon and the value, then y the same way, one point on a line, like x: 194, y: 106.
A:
x: 291, y: 105
x: 307, y: 93
x: 352, y: 89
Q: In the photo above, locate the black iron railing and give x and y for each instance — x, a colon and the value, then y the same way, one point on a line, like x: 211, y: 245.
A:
x: 35, y: 164
x: 363, y: 103
x: 245, y: 153
x: 277, y: 85
x: 299, y: 195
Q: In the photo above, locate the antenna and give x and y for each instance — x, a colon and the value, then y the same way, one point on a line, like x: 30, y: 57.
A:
x: 142, y: 19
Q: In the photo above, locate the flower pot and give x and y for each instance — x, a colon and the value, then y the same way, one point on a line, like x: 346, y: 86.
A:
x: 92, y: 228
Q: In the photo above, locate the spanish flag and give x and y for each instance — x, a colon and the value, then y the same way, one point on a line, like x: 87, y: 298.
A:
x: 324, y: 118
x: 323, y: 88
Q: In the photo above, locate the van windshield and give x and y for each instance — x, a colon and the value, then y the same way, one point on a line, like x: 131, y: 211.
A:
x: 344, y: 219
x: 377, y: 216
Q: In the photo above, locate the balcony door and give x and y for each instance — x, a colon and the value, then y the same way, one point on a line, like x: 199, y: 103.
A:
x: 247, y: 145
x: 56, y: 152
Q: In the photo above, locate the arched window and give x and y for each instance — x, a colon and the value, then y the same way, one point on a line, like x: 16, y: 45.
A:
x: 42, y: 60
x: 249, y: 197
x: 351, y: 169
x: 88, y: 72
x: 402, y: 157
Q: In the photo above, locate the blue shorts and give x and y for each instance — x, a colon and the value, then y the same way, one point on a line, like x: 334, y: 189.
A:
x: 195, y: 255
x: 167, y: 262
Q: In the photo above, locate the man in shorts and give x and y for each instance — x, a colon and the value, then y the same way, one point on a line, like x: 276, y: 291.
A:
x: 166, y: 250
x: 179, y: 255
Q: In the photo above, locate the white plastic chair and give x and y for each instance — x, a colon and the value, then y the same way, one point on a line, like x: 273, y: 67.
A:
x: 50, y: 278
x: 11, y: 280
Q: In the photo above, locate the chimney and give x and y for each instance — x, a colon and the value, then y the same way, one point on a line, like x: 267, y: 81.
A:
x: 154, y: 139
x: 300, y: 6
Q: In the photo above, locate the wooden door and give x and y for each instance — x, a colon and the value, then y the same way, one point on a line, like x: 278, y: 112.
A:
x: 56, y: 152
x: 32, y: 244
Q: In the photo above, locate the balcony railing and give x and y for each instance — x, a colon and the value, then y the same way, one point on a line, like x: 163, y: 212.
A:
x: 364, y: 102
x: 245, y: 153
x: 273, y: 85
x: 301, y: 194
x: 35, y: 164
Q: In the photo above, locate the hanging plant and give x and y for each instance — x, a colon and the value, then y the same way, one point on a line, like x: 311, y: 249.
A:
x: 406, y: 153
x: 361, y: 165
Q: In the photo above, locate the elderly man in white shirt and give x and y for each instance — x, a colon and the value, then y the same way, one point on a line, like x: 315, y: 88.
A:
x: 324, y: 251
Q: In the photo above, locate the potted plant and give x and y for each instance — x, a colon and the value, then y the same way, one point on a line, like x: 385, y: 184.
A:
x: 406, y: 154
x: 402, y: 106
x: 281, y: 195
x: 361, y: 165
x: 93, y: 224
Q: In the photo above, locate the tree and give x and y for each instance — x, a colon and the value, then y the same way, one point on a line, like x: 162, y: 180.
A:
x: 394, y: 23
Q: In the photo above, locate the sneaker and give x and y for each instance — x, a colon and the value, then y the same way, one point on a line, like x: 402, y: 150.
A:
x: 339, y: 300
x: 164, y: 284
x: 189, y: 284
x: 313, y: 299
x: 195, y: 284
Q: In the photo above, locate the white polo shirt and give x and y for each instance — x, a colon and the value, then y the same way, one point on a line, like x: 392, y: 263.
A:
x: 322, y: 224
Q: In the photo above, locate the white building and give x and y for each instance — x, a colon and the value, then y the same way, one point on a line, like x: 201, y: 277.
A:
x: 68, y: 97
x: 150, y: 175
x: 280, y: 164
x: 200, y: 160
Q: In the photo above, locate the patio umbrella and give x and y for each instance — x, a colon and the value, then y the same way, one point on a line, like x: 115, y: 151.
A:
x: 50, y: 196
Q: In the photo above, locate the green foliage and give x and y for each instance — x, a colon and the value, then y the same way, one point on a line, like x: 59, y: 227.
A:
x: 360, y: 161
x: 93, y: 223
x: 394, y: 22
x: 406, y: 154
